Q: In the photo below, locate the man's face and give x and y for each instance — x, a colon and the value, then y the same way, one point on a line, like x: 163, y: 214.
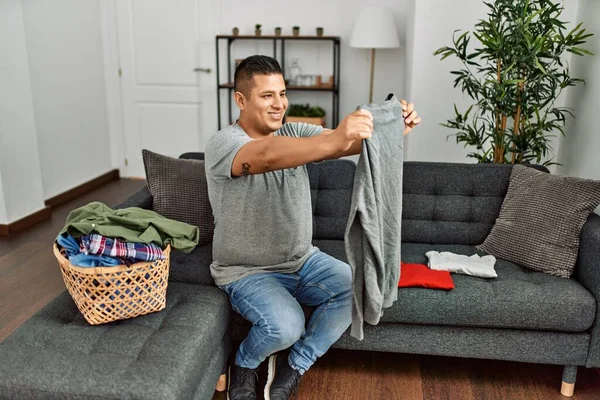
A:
x: 267, y: 103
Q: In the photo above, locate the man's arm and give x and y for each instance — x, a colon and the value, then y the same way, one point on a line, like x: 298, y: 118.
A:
x: 355, y: 148
x: 281, y: 152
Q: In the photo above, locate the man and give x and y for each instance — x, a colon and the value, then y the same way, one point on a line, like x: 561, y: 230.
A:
x: 263, y: 257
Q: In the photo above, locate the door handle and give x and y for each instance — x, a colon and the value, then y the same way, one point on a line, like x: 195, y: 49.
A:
x: 207, y: 70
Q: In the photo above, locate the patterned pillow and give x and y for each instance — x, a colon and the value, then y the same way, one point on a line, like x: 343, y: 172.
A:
x: 179, y: 191
x: 541, y: 219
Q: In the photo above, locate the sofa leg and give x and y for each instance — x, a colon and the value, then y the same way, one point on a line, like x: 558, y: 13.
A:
x: 568, y: 380
x: 222, y: 383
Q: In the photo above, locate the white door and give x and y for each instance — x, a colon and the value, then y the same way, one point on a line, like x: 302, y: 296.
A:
x: 165, y: 50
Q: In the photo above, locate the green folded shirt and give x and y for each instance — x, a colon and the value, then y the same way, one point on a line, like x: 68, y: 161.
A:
x: 131, y: 224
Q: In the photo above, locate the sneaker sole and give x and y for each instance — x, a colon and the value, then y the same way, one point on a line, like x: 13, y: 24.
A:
x: 270, y: 376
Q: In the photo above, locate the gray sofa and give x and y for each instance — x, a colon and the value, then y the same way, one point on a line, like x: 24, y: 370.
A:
x: 180, y: 352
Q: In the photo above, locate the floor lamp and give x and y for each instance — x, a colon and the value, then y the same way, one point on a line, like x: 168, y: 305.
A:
x: 374, y: 28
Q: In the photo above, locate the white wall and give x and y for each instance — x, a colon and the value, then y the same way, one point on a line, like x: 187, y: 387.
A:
x: 21, y: 180
x: 66, y: 59
x: 579, y: 149
x: 431, y: 84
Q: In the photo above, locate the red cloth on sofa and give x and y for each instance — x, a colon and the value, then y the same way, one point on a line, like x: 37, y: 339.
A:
x: 419, y: 275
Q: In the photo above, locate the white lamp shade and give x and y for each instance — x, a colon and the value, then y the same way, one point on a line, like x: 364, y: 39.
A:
x: 374, y: 28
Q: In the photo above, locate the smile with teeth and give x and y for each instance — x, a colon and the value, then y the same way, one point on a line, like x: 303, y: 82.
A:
x: 275, y: 115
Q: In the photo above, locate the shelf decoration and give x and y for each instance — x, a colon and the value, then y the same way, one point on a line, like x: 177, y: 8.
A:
x: 305, y: 113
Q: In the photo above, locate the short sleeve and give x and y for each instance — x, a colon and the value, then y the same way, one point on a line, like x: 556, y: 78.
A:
x: 300, y: 129
x: 221, y: 150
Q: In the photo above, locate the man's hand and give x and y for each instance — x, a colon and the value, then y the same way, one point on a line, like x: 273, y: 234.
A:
x: 410, y: 116
x: 354, y: 127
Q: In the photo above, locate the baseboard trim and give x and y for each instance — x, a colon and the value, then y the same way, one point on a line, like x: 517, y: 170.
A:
x: 24, y: 223
x: 15, y: 227
x: 83, y: 189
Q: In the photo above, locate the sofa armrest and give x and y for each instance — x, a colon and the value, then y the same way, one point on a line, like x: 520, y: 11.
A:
x: 587, y: 272
x: 142, y: 199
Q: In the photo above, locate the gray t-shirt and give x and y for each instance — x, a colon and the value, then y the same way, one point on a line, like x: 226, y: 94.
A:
x: 263, y: 222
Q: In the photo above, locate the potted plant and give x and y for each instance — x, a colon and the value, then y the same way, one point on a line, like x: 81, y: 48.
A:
x: 305, y: 113
x: 278, y: 31
x: 319, y: 31
x: 514, y: 79
x: 257, y: 30
x: 296, y: 30
x: 235, y: 31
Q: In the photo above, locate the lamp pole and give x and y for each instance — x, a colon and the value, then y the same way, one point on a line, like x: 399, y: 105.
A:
x: 372, y: 74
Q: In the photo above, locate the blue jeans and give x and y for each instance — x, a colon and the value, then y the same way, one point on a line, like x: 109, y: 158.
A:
x: 271, y: 302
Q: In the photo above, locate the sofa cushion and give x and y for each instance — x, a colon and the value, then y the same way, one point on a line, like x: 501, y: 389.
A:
x: 541, y: 219
x: 57, y: 354
x: 447, y: 203
x: 517, y: 298
x: 179, y: 191
x: 193, y: 267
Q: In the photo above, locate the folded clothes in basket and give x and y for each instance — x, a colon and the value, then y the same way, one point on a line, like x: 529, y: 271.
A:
x: 131, y: 224
x: 80, y: 259
x: 100, y: 245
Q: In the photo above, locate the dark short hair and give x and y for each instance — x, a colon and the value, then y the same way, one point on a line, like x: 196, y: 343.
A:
x: 253, y: 65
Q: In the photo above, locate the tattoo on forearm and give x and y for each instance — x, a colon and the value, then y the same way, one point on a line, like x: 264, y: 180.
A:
x: 245, y: 168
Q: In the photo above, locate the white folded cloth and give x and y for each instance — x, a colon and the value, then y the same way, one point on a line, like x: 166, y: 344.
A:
x: 474, y: 265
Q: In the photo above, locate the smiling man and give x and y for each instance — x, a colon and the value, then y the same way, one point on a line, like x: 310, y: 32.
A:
x: 263, y: 256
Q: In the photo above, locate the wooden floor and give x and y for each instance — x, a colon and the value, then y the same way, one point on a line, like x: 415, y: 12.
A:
x: 362, y: 375
x: 30, y: 278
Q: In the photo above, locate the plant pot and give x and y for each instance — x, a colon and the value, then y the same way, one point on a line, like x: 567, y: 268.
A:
x: 277, y: 31
x: 296, y: 31
x: 309, y: 120
x: 319, y: 31
x: 235, y: 31
x: 257, y: 32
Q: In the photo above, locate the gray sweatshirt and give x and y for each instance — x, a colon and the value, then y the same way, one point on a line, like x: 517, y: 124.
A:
x: 372, y: 238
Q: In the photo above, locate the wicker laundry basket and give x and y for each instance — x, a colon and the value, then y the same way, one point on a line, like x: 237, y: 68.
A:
x: 105, y: 294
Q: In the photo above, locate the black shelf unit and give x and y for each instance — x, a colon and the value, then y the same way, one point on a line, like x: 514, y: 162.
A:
x: 228, y: 86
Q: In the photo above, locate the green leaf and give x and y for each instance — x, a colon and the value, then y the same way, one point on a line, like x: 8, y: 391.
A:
x: 538, y: 65
x: 584, y: 51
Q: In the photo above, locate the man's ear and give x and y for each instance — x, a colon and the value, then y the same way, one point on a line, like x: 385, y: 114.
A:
x: 240, y: 100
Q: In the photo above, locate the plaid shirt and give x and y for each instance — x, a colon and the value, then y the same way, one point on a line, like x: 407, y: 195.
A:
x: 100, y: 245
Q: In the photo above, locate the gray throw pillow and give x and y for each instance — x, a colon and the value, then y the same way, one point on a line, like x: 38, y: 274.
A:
x: 541, y: 219
x: 179, y: 191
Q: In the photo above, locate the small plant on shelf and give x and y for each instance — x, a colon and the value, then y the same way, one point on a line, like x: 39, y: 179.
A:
x: 296, y: 30
x: 305, y: 113
x: 257, y: 30
x: 319, y: 31
x: 235, y: 31
x: 278, y: 31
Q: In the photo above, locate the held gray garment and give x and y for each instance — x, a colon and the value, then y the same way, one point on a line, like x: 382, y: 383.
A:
x: 263, y: 222
x: 372, y: 238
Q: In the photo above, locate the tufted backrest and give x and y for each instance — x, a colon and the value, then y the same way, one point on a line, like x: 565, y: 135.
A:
x: 451, y: 203
x: 331, y: 185
x: 443, y: 203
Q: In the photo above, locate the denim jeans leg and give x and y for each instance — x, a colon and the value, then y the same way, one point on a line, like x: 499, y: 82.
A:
x: 277, y: 319
x: 325, y: 282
